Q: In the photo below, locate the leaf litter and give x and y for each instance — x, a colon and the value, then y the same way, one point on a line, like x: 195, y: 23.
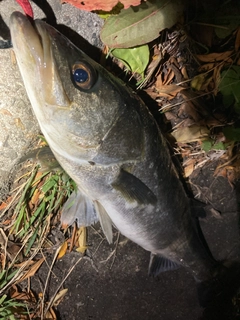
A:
x: 194, y: 85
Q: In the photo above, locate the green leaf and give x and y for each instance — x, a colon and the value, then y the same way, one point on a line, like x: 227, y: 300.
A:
x: 135, y: 59
x: 206, y: 145
x: 232, y: 134
x: 49, y: 184
x: 141, y: 24
x: 219, y: 146
x: 226, y: 25
x: 115, y: 10
x: 229, y: 87
x: 209, y: 144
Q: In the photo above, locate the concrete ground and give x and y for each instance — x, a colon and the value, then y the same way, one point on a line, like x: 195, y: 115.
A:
x: 115, y: 285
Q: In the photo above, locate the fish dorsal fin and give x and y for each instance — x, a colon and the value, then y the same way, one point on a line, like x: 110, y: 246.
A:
x: 105, y: 221
x: 79, y: 208
x: 160, y: 264
x: 133, y: 189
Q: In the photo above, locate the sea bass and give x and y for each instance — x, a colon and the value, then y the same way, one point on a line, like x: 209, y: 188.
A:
x: 105, y: 138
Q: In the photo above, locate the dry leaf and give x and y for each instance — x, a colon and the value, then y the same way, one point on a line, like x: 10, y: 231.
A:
x: 206, y: 67
x: 188, y: 170
x: 167, y: 78
x: 188, y: 108
x: 170, y: 91
x: 184, y: 73
x: 59, y: 297
x: 50, y: 315
x: 217, y: 78
x: 63, y: 250
x: 5, y: 203
x: 5, y: 112
x: 31, y: 272
x: 213, y: 57
x: 82, y: 240
x: 21, y: 295
x: 35, y: 197
x: 13, y: 251
x: 37, y: 178
x: 190, y: 134
x: 237, y: 40
x: 19, y: 124
x: 201, y: 81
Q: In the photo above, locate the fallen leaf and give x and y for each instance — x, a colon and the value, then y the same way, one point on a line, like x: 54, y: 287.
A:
x: 226, y: 24
x: 190, y: 134
x: 5, y: 203
x: 208, y: 145
x: 50, y: 315
x: 169, y: 91
x: 188, y: 169
x: 232, y: 134
x: 37, y: 178
x: 35, y: 198
x: 22, y: 295
x: 31, y: 272
x: 63, y: 250
x: 14, y: 251
x: 167, y: 78
x: 184, y: 73
x: 188, y: 109
x: 237, y: 40
x: 217, y: 78
x: 200, y: 82
x: 104, y: 5
x: 5, y: 112
x: 135, y: 59
x: 19, y: 124
x: 140, y: 25
x: 229, y: 87
x: 59, y: 297
x: 213, y: 57
x: 82, y: 240
x: 206, y: 67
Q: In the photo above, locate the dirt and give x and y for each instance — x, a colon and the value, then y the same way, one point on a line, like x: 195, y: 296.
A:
x: 113, y: 284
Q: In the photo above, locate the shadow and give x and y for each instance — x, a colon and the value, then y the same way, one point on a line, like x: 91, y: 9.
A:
x: 72, y: 35
x: 48, y: 11
x: 50, y: 18
x: 225, y: 305
x: 5, y: 43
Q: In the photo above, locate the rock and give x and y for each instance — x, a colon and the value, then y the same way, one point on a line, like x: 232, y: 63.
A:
x: 18, y: 127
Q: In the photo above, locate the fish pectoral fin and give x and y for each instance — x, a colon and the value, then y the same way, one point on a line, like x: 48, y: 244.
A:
x: 160, y: 264
x: 133, y: 189
x: 78, y: 208
x: 105, y: 221
x: 44, y: 157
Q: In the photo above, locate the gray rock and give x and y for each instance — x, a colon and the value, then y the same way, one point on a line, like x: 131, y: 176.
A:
x: 18, y: 127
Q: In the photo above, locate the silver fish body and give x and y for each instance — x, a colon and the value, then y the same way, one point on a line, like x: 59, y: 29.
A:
x: 104, y: 137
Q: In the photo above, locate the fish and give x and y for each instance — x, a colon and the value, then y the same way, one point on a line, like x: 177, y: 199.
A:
x: 106, y: 139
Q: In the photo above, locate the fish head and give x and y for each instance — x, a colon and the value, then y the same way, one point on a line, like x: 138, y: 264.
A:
x: 75, y: 100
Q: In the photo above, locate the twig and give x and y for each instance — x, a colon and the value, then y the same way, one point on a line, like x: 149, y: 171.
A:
x: 60, y: 285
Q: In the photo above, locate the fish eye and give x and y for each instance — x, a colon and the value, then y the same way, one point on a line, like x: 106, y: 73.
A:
x: 84, y: 75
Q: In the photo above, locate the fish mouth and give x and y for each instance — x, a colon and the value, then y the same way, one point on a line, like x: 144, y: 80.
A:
x: 33, y: 48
